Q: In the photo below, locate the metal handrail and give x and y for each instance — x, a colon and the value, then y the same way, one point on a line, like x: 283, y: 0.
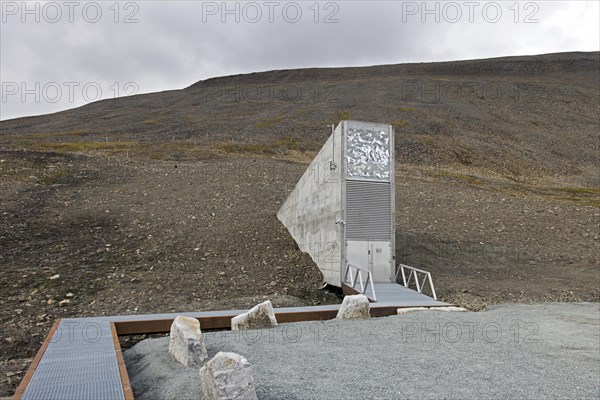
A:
x: 358, y: 277
x: 414, y: 272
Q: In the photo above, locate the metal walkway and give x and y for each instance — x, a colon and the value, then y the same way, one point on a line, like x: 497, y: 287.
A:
x: 81, y: 359
x: 392, y: 294
x: 79, y: 363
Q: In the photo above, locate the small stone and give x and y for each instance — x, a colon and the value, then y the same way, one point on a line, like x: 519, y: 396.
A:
x: 355, y: 306
x: 259, y: 316
x: 53, y: 277
x: 445, y: 309
x: 407, y: 310
x: 69, y: 294
x: 449, y: 309
x: 185, y: 341
x: 227, y: 376
x: 51, y: 301
x: 64, y: 302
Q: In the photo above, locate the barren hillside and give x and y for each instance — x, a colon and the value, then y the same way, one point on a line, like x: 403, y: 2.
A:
x: 520, y: 117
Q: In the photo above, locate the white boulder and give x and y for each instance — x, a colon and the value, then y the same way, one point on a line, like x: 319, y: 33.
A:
x: 406, y: 310
x: 185, y: 342
x: 355, y: 306
x: 227, y: 376
x: 259, y: 316
x: 448, y: 309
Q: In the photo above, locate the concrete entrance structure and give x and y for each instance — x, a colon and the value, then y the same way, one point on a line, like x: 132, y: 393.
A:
x: 341, y: 211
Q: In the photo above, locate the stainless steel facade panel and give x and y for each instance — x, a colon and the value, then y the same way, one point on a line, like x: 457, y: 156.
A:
x: 368, y: 153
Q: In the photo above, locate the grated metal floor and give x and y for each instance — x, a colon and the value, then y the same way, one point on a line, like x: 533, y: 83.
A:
x: 79, y: 364
x: 394, y: 294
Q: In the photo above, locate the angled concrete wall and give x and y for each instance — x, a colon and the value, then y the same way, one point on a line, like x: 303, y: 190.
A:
x: 311, y: 211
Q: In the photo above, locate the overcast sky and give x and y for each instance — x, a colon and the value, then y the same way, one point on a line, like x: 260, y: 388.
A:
x: 59, y: 55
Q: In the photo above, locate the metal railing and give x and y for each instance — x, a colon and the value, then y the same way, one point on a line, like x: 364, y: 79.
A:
x: 358, y: 278
x: 414, y: 277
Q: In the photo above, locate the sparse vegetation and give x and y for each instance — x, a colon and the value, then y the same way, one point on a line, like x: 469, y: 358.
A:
x: 49, y: 135
x: 583, y: 196
x: 302, y: 112
x: 399, y: 123
x: 579, y: 190
x: 269, y: 122
x: 25, y: 170
x: 257, y: 148
x: 53, y: 176
x: 274, y: 147
x: 343, y: 115
x: 424, y: 139
x: 84, y: 146
x: 180, y: 150
x: 473, y: 180
x: 464, y: 156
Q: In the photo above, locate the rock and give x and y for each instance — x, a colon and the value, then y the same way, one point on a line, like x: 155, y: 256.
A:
x: 70, y: 294
x: 355, y: 306
x: 407, y: 310
x: 227, y: 376
x: 64, y: 302
x: 53, y: 277
x: 259, y: 316
x: 185, y: 341
x: 446, y: 309
x: 449, y: 308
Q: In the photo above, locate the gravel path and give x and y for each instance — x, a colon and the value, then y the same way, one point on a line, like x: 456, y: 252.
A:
x: 509, y: 351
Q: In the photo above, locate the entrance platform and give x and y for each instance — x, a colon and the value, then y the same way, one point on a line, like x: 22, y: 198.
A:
x: 81, y: 357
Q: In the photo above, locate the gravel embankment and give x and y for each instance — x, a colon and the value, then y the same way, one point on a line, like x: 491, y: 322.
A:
x: 509, y: 351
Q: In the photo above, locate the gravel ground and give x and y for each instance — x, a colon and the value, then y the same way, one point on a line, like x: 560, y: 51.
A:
x: 510, y: 351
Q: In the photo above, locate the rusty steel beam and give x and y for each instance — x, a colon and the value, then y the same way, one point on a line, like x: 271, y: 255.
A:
x: 224, y: 322
x: 127, y: 391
